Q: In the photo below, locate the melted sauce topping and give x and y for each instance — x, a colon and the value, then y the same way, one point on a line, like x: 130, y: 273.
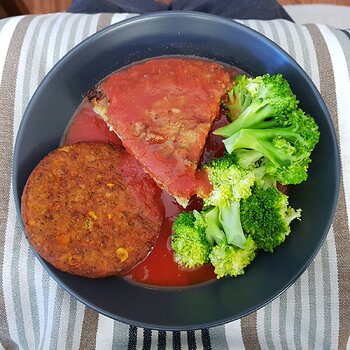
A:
x: 163, y: 109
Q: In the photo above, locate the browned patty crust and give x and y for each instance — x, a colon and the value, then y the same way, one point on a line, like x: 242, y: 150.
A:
x: 90, y: 210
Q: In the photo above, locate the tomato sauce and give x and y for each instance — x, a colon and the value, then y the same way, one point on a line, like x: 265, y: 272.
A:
x: 86, y: 125
x: 159, y: 268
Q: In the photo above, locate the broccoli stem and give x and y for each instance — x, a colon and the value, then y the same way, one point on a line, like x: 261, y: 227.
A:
x: 252, y: 117
x: 231, y: 223
x: 247, y: 157
x: 213, y: 232
x: 261, y: 140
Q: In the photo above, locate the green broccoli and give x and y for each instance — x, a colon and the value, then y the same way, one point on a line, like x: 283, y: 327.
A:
x: 237, y: 99
x: 270, y: 140
x: 257, y: 103
x: 231, y: 251
x: 271, y: 125
x: 223, y: 225
x: 230, y: 181
x: 231, y: 261
x: 246, y: 158
x: 213, y: 230
x: 230, y: 221
x: 218, y: 224
x: 266, y: 217
x: 287, y: 148
x: 188, y: 241
x: 255, y: 162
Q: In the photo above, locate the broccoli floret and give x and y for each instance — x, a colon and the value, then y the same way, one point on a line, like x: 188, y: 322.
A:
x: 223, y: 225
x: 266, y: 217
x: 255, y: 162
x: 218, y: 223
x: 231, y: 261
x: 188, y: 241
x: 237, y: 100
x: 257, y: 103
x: 287, y: 148
x: 246, y: 158
x: 272, y: 125
x: 230, y: 182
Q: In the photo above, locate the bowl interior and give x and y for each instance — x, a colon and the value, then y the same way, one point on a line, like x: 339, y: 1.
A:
x: 211, y: 37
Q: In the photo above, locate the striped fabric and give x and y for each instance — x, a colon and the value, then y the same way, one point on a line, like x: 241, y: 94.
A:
x: 35, y: 313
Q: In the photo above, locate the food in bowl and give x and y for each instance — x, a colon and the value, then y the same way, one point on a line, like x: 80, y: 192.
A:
x: 163, y: 111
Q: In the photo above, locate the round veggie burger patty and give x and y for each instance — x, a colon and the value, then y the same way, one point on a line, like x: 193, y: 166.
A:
x: 90, y: 210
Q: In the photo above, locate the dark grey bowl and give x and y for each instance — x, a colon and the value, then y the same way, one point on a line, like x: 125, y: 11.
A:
x: 216, y: 38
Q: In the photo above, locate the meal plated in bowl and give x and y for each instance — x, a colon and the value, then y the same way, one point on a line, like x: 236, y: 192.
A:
x: 213, y: 38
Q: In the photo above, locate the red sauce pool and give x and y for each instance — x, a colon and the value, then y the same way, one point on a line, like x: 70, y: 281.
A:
x: 159, y: 268
x: 86, y: 125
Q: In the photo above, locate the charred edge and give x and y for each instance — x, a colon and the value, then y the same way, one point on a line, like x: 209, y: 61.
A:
x: 95, y: 93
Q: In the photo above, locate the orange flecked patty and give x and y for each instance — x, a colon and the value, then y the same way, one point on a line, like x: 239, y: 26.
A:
x: 90, y: 210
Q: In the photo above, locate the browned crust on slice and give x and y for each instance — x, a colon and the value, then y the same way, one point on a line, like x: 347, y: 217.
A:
x: 98, y: 100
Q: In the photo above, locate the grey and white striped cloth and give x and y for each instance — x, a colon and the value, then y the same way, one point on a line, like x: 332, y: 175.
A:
x: 35, y: 313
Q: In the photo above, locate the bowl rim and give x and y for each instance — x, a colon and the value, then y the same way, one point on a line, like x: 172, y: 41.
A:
x: 203, y: 17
